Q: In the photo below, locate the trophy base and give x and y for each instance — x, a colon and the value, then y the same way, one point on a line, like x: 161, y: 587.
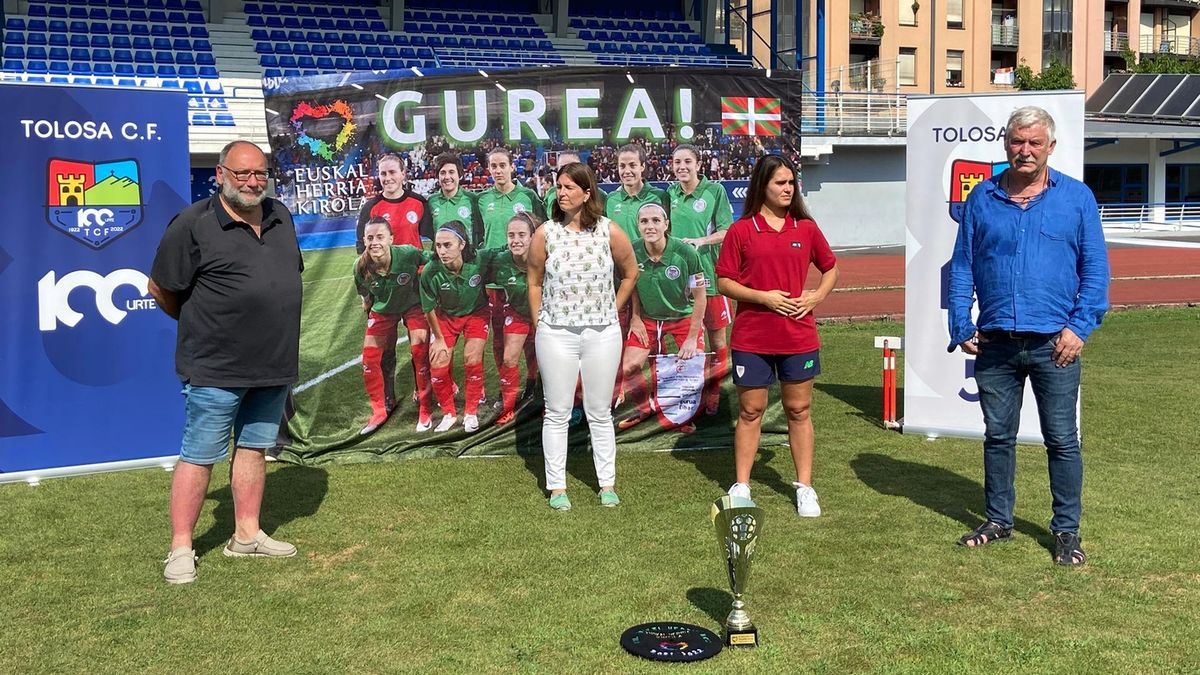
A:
x: 743, y: 637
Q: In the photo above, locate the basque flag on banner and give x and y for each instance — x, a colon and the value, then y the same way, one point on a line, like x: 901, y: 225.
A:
x: 747, y: 116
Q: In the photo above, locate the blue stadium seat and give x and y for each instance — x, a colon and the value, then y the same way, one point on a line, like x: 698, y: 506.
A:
x: 342, y: 64
x: 59, y: 54
x: 188, y: 71
x: 337, y: 50
x: 373, y: 52
x: 14, y: 23
x: 210, y: 72
x: 122, y: 56
x: 361, y: 64
x: 14, y: 52
x: 139, y: 29
x: 385, y: 39
x: 198, y: 32
x: 59, y: 68
x: 283, y: 48
x: 314, y: 37
x: 81, y: 54
x: 301, y: 49
x: 324, y: 63
x: 272, y: 72
x: 395, y: 64
x: 268, y: 61
x: 15, y: 37
x: 118, y: 28
x: 37, y: 10
x: 100, y: 41
x: 391, y: 53
x: 286, y: 62
x: 36, y: 25
x: 205, y: 59
x: 306, y: 62
x: 379, y: 64
x: 36, y: 67
x: 320, y: 50
x: 184, y: 59
x: 354, y: 51
x: 350, y: 38
x: 201, y: 45
x: 164, y: 57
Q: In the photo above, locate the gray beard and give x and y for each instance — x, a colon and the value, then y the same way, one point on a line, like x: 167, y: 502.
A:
x: 235, y: 197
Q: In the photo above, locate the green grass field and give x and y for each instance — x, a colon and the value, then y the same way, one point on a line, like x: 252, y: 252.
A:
x: 457, y: 564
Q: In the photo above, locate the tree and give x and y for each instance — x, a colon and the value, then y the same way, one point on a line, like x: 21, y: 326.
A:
x: 1057, y: 75
x: 1159, y: 63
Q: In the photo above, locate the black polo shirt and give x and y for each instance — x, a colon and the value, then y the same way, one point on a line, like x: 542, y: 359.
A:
x: 240, y: 294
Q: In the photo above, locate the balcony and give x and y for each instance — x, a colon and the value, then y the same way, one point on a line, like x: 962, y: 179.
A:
x: 865, y: 27
x: 1005, y: 36
x: 1115, y: 43
x: 1181, y: 45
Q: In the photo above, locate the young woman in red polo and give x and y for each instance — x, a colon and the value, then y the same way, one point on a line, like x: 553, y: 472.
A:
x: 509, y: 270
x: 763, y: 265
x: 669, y: 299
x: 453, y: 298
x: 386, y: 278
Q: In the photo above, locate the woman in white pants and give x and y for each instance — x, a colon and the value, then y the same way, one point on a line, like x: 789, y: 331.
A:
x: 571, y: 292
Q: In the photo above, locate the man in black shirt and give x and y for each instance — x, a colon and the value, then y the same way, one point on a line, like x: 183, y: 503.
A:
x: 228, y: 269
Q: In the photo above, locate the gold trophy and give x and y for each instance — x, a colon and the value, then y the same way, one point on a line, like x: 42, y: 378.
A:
x: 738, y: 522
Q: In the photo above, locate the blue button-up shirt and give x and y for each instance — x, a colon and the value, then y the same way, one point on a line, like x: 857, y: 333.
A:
x: 1037, y: 269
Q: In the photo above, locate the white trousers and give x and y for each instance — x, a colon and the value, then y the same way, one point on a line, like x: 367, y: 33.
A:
x: 564, y: 354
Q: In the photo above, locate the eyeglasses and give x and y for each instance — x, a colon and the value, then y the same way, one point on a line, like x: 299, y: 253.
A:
x: 245, y: 175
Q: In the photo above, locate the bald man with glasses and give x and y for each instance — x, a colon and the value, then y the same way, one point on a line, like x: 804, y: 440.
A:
x: 228, y: 269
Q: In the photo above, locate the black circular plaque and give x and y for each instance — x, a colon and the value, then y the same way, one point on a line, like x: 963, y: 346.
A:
x: 671, y: 641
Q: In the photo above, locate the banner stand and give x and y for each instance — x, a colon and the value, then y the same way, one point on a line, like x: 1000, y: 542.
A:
x: 36, y: 476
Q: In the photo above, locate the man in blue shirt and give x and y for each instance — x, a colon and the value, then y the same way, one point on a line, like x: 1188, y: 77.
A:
x: 1031, y: 248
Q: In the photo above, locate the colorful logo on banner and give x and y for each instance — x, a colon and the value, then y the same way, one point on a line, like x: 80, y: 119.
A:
x: 319, y: 147
x: 94, y: 203
x: 965, y: 174
x: 745, y: 116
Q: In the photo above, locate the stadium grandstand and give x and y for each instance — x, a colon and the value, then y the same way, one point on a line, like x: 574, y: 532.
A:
x: 219, y: 52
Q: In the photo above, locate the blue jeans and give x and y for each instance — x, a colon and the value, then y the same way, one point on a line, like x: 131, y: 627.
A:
x: 214, y: 415
x: 1004, y: 363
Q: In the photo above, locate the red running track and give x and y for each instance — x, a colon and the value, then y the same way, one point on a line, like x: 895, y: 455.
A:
x: 872, y: 286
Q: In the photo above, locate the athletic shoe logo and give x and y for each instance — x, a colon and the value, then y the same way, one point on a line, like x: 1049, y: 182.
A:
x: 93, y: 203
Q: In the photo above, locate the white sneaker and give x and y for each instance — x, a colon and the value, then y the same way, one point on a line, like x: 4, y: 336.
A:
x: 806, y: 501
x: 470, y: 423
x: 740, y: 490
x: 424, y: 424
x: 447, y: 423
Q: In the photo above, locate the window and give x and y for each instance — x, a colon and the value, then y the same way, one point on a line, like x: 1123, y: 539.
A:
x: 1118, y: 183
x: 954, y: 68
x: 908, y: 15
x: 906, y: 67
x: 954, y: 13
x: 1183, y: 183
x: 1056, y: 32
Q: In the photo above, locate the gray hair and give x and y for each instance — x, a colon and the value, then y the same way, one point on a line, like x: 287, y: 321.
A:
x: 233, y: 144
x: 1028, y: 116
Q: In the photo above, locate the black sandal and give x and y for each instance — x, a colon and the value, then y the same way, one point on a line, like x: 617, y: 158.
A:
x: 1067, y: 551
x: 987, y: 533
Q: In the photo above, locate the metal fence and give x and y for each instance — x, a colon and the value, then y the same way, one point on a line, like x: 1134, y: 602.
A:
x: 854, y: 114
x: 876, y: 76
x: 1154, y: 217
x: 1180, y: 45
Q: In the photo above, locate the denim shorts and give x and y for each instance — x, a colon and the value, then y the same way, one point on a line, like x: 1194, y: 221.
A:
x: 251, y: 416
x: 760, y: 370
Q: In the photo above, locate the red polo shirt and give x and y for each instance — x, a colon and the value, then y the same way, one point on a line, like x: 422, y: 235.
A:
x: 758, y: 257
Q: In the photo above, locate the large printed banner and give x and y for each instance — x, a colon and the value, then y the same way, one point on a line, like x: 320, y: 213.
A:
x: 955, y: 143
x: 86, y: 367
x: 327, y: 134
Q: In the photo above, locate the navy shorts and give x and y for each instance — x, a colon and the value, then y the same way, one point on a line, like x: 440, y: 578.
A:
x: 761, y: 370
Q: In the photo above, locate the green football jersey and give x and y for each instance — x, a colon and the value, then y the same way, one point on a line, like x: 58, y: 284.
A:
x: 622, y: 208
x: 461, y: 207
x: 664, y: 287
x: 397, y: 291
x: 456, y: 293
x: 700, y: 214
x: 497, y: 209
x: 506, y: 273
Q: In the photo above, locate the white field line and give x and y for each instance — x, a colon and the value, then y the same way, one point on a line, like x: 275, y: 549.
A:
x: 334, y: 371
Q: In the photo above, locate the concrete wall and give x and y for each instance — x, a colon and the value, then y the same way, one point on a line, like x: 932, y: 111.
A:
x: 858, y: 196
